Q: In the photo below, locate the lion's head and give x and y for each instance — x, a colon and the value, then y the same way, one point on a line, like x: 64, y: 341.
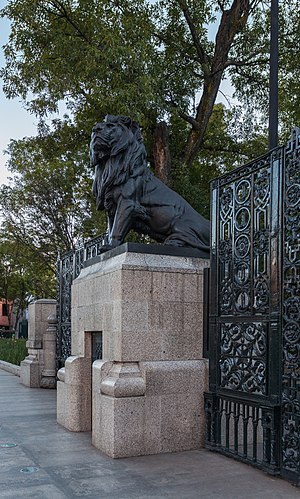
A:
x: 117, y: 152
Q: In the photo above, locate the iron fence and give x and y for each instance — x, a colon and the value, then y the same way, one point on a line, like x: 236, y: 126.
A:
x: 69, y: 266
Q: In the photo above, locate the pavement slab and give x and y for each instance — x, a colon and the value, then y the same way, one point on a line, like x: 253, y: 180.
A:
x: 49, y: 462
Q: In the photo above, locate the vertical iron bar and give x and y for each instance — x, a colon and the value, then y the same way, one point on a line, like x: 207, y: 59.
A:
x: 255, y: 425
x: 208, y: 425
x: 213, y: 299
x: 228, y: 413
x: 206, y: 287
x: 219, y: 421
x: 215, y: 404
x: 245, y: 429
x: 236, y: 427
x: 273, y: 92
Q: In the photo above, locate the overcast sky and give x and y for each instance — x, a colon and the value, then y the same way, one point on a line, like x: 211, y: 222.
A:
x: 16, y: 123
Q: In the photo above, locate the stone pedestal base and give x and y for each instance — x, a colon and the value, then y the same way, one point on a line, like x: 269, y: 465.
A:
x: 74, y: 394
x: 156, y: 408
x: 30, y: 372
x: 147, y: 391
x: 48, y: 379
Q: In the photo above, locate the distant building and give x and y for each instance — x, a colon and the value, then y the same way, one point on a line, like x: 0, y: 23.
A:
x: 5, y: 313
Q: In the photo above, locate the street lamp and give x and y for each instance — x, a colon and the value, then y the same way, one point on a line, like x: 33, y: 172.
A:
x: 273, y: 91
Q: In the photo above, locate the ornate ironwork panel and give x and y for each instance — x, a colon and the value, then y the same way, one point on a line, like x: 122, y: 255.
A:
x: 291, y: 312
x: 65, y: 273
x: 243, y: 242
x: 68, y: 268
x: 243, y: 273
x: 253, y: 406
x: 243, y: 349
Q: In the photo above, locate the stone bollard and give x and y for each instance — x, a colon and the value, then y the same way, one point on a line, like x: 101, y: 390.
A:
x: 33, y: 364
x: 49, y: 346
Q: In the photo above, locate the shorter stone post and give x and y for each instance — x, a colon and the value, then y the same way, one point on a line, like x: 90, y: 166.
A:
x: 74, y: 402
x: 49, y: 346
x: 33, y: 364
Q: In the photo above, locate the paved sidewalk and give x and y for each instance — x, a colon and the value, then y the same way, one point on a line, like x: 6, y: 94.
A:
x: 61, y: 464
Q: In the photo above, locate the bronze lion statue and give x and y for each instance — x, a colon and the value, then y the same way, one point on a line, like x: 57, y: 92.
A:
x: 133, y: 197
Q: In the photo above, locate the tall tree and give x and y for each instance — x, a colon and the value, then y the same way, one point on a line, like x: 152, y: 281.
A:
x: 151, y: 60
x: 211, y: 63
x: 49, y: 207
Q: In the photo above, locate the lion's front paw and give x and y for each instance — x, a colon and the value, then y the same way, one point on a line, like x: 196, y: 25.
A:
x: 141, y: 213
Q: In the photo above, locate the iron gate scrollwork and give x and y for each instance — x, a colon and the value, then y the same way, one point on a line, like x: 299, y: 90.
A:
x: 291, y: 312
x: 253, y: 404
x: 69, y: 266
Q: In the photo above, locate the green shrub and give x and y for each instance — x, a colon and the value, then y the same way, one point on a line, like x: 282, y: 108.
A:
x: 12, y: 350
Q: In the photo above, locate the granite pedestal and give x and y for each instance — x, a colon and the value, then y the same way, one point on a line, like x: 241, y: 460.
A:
x: 147, y: 390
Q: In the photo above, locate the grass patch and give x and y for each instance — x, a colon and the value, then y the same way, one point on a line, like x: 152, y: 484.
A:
x: 13, y: 351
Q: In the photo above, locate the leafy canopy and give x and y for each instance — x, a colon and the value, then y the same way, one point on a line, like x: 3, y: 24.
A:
x: 153, y: 60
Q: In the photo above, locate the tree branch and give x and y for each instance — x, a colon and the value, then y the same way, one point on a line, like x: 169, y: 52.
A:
x: 203, y: 57
x: 225, y: 97
x: 62, y: 12
x: 185, y: 53
x: 189, y: 119
x: 232, y: 62
x: 221, y: 5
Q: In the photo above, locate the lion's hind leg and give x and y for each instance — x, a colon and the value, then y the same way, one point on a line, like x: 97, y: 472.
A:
x: 184, y: 234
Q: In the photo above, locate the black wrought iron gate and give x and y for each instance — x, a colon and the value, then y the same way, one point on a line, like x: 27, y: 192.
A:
x: 253, y: 404
x: 69, y: 266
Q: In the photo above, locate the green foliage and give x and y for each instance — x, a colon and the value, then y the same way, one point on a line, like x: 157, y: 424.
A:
x: 135, y: 58
x: 95, y: 55
x: 47, y: 209
x: 178, y: 66
x: 251, y: 80
x: 50, y: 205
x: 289, y: 62
x: 12, y: 350
x: 229, y: 142
x: 151, y: 60
x: 24, y: 275
x: 142, y: 58
x: 252, y: 46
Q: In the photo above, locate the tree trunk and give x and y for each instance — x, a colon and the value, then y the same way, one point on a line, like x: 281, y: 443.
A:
x: 204, y: 112
x: 161, y: 153
x: 232, y: 22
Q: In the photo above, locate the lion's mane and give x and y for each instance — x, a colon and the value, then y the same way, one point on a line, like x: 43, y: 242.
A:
x: 127, y: 154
